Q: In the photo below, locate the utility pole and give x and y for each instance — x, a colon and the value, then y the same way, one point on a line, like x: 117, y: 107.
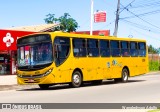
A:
x: 117, y: 19
x: 91, y: 17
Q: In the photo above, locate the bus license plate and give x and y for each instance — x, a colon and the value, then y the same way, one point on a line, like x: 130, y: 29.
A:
x: 30, y: 80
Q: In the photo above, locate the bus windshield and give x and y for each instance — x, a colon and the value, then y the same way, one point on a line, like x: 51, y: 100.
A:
x: 36, y: 54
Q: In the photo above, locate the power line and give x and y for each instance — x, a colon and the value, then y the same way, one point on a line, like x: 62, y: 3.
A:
x: 141, y: 18
x: 146, y: 35
x: 143, y: 14
x: 108, y: 24
x: 127, y: 6
x: 146, y: 4
x: 141, y: 27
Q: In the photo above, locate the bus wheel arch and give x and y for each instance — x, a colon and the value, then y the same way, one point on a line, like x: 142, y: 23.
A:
x: 77, y: 78
x: 125, y: 74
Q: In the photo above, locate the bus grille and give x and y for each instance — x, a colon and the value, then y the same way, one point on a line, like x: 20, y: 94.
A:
x: 32, y: 76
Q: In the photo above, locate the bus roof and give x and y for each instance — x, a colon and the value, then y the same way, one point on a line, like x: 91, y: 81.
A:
x: 58, y: 33
x: 73, y: 35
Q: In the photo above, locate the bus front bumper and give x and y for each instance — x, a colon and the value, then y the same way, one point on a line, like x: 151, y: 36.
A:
x: 49, y: 79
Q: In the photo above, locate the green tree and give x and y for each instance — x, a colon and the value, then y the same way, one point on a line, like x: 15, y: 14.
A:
x: 50, y: 19
x: 66, y: 23
x: 151, y: 49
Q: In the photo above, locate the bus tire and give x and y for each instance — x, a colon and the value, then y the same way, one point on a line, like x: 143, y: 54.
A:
x: 124, y: 76
x: 76, y: 79
x: 44, y: 86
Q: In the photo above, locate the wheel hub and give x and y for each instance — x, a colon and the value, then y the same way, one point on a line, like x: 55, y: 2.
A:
x: 76, y: 79
x: 125, y: 76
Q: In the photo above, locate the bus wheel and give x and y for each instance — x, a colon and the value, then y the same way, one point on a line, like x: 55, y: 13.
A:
x: 44, y: 86
x: 125, y: 75
x: 76, y: 79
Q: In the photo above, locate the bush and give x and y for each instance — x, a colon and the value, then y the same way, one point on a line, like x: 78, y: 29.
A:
x: 153, y: 65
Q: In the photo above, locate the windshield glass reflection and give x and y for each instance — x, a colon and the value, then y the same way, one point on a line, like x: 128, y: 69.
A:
x: 35, y: 54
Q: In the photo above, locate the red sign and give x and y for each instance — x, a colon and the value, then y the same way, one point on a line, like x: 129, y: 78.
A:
x: 100, y: 16
x: 96, y: 32
x: 8, y: 38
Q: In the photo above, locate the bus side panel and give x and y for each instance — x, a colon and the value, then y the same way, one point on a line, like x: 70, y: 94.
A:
x: 142, y: 65
x: 80, y: 63
x: 137, y: 65
x: 132, y: 63
x: 105, y: 67
x: 96, y: 68
x: 63, y: 73
x: 88, y: 66
x: 116, y: 67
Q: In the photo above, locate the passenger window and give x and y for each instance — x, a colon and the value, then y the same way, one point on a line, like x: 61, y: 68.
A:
x: 125, y: 48
x: 133, y: 49
x: 61, y: 49
x: 115, y: 50
x: 79, y: 47
x: 104, y: 48
x: 142, y: 49
x: 92, y: 47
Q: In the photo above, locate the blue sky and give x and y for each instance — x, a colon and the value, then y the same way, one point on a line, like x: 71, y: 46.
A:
x: 142, y: 23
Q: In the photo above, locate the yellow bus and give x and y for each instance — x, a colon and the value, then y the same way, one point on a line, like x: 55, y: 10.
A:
x: 59, y: 58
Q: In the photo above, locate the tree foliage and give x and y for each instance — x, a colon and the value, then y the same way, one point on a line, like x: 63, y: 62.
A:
x: 66, y: 23
x: 152, y: 50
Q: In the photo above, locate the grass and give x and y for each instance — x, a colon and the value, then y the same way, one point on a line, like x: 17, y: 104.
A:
x: 157, y: 110
x: 154, y: 66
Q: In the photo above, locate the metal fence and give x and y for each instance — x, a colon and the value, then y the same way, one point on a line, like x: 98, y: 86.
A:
x: 154, y: 57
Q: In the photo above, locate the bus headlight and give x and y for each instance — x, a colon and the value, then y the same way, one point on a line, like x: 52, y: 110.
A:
x: 48, y: 72
x: 19, y: 75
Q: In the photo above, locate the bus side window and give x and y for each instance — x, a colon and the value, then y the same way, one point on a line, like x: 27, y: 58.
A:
x: 125, y: 48
x: 79, y: 47
x: 104, y: 48
x: 92, y: 47
x: 115, y: 49
x: 142, y: 49
x: 133, y: 49
x: 61, y: 49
